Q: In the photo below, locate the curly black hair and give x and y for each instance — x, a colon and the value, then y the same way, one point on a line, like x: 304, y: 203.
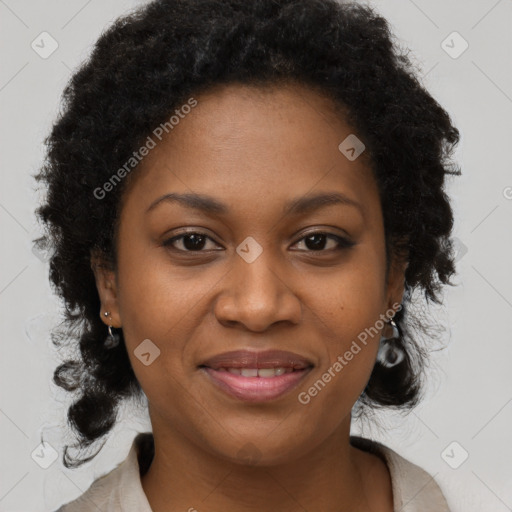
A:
x: 144, y: 66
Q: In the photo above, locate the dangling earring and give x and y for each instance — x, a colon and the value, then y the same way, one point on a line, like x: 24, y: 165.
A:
x: 390, y: 354
x: 112, y: 340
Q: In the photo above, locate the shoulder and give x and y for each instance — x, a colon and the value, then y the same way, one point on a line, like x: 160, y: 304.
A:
x: 120, y: 489
x: 414, y: 489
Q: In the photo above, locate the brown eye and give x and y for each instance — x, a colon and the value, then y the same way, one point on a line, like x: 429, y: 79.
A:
x: 317, y: 242
x: 192, y: 242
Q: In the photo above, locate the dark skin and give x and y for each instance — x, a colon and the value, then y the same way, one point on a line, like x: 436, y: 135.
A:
x: 254, y: 150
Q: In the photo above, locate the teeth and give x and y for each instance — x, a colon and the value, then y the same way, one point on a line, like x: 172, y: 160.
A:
x: 269, y: 372
x: 249, y: 372
x: 255, y: 372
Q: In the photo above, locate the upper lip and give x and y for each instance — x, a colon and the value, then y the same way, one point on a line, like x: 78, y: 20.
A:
x: 252, y: 359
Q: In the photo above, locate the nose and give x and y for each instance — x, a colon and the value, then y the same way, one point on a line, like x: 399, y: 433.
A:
x: 256, y: 296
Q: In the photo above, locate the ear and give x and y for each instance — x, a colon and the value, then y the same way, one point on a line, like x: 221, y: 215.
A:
x: 106, y: 285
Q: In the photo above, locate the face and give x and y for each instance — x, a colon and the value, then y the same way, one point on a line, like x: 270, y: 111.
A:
x: 251, y: 275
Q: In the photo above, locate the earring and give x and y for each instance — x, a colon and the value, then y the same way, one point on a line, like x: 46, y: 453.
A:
x: 390, y: 354
x: 112, y: 340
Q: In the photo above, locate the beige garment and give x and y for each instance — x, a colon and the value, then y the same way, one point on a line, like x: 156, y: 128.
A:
x: 414, y: 490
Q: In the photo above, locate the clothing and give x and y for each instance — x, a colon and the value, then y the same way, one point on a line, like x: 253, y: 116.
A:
x: 414, y: 490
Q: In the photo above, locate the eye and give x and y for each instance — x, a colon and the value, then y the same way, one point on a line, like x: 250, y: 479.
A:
x: 192, y: 241
x: 316, y: 241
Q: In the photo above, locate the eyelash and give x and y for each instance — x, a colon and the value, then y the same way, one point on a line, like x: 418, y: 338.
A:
x: 343, y: 243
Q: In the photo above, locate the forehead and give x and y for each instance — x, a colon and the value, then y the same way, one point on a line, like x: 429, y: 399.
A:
x: 249, y: 143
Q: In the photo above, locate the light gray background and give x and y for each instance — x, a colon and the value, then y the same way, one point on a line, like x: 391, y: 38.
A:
x: 469, y: 398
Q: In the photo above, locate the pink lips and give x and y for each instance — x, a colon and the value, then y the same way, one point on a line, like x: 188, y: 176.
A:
x: 257, y: 388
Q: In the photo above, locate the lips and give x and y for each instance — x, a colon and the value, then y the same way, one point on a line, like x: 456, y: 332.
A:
x: 255, y: 360
x: 256, y: 376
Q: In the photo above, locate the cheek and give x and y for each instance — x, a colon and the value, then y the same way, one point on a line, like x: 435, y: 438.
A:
x: 349, y: 299
x: 162, y: 305
x: 346, y: 368
x: 347, y: 307
x: 153, y: 296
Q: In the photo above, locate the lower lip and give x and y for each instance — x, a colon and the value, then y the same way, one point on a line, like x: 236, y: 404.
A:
x: 255, y: 389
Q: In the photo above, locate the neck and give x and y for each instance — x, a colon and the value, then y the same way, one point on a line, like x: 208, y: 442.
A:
x: 330, y: 477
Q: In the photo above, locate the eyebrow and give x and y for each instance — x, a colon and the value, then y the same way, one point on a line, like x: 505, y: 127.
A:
x: 301, y: 205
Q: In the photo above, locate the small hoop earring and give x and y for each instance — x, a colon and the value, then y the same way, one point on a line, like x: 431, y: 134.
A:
x: 390, y: 354
x: 112, y: 340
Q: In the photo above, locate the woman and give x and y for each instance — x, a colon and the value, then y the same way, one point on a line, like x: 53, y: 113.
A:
x: 242, y: 197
